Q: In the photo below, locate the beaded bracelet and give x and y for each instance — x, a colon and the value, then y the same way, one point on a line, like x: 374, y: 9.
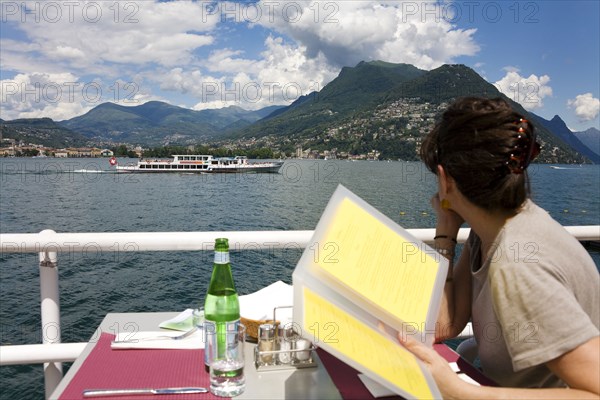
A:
x: 444, y: 237
x: 445, y: 252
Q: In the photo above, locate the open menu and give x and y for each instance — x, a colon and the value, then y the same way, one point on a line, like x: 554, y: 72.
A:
x: 361, y: 280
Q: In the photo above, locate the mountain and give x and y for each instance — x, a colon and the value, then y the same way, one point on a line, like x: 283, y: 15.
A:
x: 354, y: 90
x: 387, y: 108
x: 444, y: 84
x: 590, y: 138
x: 558, y: 127
x: 157, y: 123
x: 42, y: 131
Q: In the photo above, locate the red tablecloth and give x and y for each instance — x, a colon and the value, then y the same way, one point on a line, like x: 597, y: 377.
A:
x: 116, y: 369
x: 351, y: 387
x: 126, y: 369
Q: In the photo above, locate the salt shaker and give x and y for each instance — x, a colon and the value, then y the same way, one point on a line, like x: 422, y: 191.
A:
x: 266, y: 342
x: 286, y: 338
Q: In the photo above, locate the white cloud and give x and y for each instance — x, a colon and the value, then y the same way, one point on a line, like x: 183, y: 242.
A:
x: 586, y: 106
x: 291, y: 69
x: 69, y: 53
x: 348, y: 32
x: 81, y: 35
x: 281, y: 74
x: 527, y: 91
x: 40, y: 95
x: 225, y: 61
x: 63, y: 95
x: 510, y: 68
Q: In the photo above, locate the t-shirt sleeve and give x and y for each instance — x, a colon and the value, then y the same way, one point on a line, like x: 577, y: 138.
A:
x: 540, y: 316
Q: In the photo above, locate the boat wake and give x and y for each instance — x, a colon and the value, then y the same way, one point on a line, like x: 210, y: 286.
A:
x: 94, y: 171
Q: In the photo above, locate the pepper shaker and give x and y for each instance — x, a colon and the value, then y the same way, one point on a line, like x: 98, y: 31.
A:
x: 266, y: 342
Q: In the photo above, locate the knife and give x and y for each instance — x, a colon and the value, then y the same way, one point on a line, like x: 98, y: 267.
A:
x: 129, y: 392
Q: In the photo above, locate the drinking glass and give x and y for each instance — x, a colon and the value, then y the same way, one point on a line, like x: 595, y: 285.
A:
x: 227, y: 368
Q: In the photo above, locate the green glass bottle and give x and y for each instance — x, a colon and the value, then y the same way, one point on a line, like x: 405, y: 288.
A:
x: 221, y: 306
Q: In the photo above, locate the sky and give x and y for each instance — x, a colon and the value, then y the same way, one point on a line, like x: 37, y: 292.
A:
x: 59, y: 59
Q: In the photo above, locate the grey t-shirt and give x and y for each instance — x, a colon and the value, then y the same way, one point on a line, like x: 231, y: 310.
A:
x: 536, y: 297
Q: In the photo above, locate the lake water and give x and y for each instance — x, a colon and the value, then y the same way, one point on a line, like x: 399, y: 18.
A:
x: 38, y: 194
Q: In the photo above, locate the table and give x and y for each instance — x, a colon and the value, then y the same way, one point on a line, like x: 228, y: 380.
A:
x: 302, y: 383
x: 305, y: 383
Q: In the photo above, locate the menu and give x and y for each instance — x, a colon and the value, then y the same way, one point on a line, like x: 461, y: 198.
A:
x: 360, y: 281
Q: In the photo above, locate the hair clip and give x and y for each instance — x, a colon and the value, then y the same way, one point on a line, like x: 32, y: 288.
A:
x: 524, y: 151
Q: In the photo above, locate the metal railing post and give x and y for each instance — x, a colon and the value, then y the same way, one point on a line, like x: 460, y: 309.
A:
x: 50, y: 312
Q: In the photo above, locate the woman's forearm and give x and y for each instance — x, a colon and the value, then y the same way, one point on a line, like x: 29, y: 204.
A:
x: 455, y: 307
x: 492, y: 393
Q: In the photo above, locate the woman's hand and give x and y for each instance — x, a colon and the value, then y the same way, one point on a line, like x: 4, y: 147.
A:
x: 449, y: 384
x: 448, y: 221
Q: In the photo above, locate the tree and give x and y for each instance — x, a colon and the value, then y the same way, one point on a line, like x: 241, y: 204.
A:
x: 121, y: 151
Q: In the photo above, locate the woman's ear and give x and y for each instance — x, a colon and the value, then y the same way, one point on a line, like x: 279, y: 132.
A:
x: 445, y: 182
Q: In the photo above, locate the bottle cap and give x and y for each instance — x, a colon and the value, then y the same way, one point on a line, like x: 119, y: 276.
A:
x: 266, y: 332
x: 221, y: 244
x: 287, y: 333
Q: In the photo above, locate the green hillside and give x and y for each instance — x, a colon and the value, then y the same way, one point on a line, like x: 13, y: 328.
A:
x: 41, y: 131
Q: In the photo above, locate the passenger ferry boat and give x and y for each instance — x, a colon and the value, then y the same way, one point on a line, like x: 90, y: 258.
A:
x: 200, y: 164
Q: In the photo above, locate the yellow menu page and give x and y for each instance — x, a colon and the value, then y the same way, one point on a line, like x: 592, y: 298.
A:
x: 362, y: 344
x: 373, y: 260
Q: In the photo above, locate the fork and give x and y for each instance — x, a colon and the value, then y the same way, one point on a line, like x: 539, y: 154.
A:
x: 160, y: 337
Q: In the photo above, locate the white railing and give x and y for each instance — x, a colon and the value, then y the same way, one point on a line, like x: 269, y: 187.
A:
x: 49, y: 243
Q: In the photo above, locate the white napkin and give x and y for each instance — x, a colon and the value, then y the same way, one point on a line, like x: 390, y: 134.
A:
x: 468, y: 379
x: 194, y: 341
x: 376, y: 389
x: 184, y: 321
x: 260, y: 304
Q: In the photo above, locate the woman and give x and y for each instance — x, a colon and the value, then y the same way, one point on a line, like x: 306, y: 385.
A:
x: 529, y: 287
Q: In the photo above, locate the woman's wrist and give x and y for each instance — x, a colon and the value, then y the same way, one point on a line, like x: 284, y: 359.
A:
x: 445, y: 245
x: 446, y: 237
x: 447, y: 228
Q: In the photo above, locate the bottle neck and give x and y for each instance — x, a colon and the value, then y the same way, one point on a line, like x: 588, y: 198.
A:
x: 221, y: 282
x: 221, y: 257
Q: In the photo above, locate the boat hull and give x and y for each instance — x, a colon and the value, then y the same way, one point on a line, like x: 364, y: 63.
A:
x: 272, y: 168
